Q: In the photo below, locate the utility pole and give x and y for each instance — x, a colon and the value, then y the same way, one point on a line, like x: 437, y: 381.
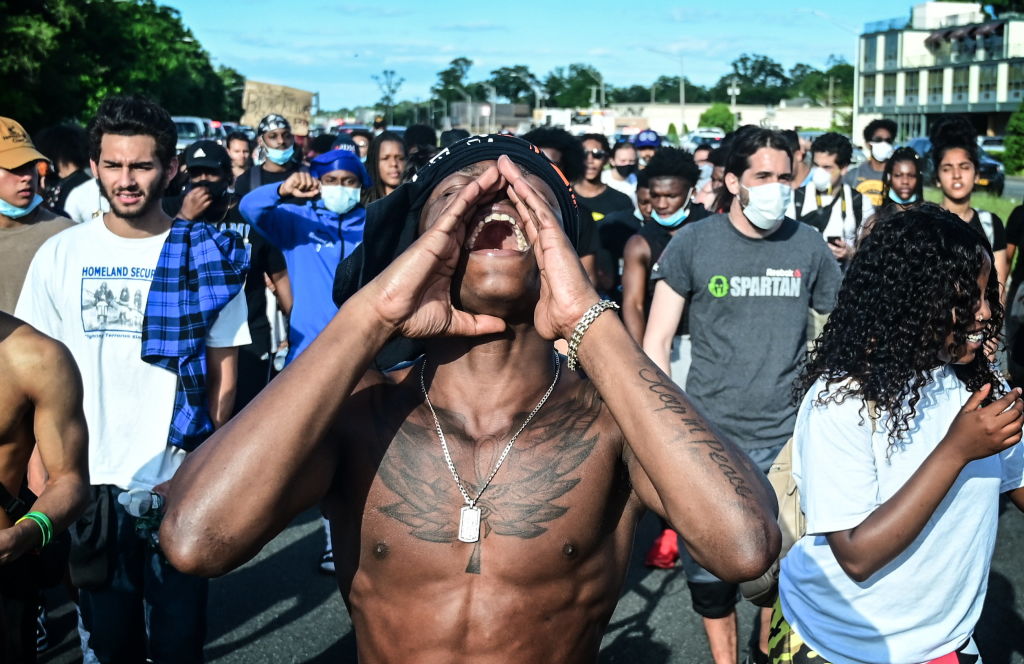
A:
x: 831, y: 103
x: 682, y: 96
x: 733, y: 92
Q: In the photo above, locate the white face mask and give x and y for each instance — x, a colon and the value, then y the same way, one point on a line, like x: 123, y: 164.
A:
x: 766, y: 207
x: 340, y: 199
x: 881, y: 151
x: 821, y: 179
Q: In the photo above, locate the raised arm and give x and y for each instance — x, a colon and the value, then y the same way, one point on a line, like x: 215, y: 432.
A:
x: 278, y: 456
x: 47, y: 374
x: 703, y: 484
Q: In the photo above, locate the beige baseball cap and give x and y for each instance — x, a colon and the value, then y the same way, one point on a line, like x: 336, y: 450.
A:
x: 16, y: 147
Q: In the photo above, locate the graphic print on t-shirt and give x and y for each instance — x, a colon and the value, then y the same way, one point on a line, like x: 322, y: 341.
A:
x: 114, y: 300
x: 774, y: 283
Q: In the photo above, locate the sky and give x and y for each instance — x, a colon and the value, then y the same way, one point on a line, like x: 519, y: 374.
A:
x: 335, y: 48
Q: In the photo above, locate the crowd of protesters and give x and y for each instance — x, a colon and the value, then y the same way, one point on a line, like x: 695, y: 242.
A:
x: 773, y: 297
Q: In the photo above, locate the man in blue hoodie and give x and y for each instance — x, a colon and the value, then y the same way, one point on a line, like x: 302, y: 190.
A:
x: 314, y: 237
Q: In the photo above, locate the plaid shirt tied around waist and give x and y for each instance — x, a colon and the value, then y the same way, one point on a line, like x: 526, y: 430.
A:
x: 200, y: 270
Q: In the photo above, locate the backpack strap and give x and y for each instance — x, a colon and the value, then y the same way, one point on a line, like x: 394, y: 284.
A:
x: 985, y: 217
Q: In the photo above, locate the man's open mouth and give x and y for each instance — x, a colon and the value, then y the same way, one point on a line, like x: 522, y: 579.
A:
x: 497, y: 231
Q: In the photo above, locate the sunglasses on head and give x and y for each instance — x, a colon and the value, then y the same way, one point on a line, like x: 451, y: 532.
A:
x: 596, y: 154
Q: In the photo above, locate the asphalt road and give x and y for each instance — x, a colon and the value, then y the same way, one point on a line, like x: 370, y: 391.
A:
x: 1014, y: 188
x: 279, y: 609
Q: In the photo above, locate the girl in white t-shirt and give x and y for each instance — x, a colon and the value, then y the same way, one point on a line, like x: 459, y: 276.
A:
x: 904, y: 440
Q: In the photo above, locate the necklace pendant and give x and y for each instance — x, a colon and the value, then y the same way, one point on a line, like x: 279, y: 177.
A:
x: 469, y: 524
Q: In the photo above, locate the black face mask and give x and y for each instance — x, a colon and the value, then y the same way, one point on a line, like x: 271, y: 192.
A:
x: 218, y: 190
x: 626, y: 171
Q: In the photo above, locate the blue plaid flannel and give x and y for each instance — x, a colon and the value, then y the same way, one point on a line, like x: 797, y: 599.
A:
x: 199, y: 271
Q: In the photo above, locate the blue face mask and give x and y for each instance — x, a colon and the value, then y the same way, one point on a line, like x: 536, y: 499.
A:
x: 15, y: 212
x: 280, y: 157
x: 340, y: 199
x: 896, y: 199
x: 675, y: 219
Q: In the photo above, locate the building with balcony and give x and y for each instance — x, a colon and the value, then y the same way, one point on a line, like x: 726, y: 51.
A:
x: 948, y: 58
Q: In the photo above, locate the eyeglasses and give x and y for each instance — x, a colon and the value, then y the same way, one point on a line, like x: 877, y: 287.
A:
x: 596, y: 154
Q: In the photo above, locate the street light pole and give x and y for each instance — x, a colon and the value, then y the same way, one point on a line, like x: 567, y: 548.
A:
x: 682, y: 96
x: 494, y: 107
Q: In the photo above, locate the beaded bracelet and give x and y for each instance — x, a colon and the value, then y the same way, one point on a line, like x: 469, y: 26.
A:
x: 581, y: 327
x: 44, y: 523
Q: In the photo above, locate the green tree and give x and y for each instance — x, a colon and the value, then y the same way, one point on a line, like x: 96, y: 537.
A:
x: 571, y: 87
x: 514, y: 83
x: 389, y: 84
x: 672, y: 135
x: 1013, y: 157
x: 761, y: 80
x: 718, y: 115
x: 452, y: 79
x: 61, y: 59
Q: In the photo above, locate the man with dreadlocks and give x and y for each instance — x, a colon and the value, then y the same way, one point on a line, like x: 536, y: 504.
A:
x: 483, y: 498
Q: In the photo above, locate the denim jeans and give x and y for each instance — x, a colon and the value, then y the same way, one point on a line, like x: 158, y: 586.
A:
x: 149, y: 610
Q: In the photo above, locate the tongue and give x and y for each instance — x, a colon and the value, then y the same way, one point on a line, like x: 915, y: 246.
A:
x: 495, y: 235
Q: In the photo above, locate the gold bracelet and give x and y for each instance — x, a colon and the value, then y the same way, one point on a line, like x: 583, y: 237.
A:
x: 581, y: 327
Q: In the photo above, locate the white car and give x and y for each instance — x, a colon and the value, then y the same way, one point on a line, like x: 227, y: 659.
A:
x: 702, y: 136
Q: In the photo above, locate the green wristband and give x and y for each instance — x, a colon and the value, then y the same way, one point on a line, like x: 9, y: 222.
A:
x: 44, y: 523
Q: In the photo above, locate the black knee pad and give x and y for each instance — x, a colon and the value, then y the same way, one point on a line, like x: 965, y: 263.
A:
x: 714, y: 600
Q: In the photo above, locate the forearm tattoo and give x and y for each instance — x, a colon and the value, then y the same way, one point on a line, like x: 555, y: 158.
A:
x: 668, y: 394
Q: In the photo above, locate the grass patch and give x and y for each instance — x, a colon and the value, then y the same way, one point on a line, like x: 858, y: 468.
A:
x: 982, y: 200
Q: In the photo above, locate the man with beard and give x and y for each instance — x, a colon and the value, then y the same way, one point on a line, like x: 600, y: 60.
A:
x: 473, y: 520
x: 157, y: 380
x: 746, y: 278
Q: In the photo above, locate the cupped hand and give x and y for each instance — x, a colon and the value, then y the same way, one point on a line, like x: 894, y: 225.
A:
x: 195, y: 203
x: 981, y: 431
x: 565, y: 291
x: 413, y: 295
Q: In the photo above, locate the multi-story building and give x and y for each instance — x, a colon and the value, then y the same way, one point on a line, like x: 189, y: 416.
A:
x: 948, y: 58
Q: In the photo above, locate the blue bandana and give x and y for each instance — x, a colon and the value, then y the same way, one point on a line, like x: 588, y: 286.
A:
x: 341, y: 159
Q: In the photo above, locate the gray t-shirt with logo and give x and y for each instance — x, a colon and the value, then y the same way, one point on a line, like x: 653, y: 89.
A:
x: 748, y: 300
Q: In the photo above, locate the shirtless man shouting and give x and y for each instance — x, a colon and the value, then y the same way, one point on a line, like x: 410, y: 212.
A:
x: 483, y: 500
x: 40, y: 405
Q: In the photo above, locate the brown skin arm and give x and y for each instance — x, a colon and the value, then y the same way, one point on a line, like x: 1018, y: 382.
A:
x: 679, y: 467
x: 47, y: 374
x: 589, y: 263
x: 976, y: 433
x: 283, y: 291
x: 278, y: 457
x: 636, y: 265
x: 221, y: 383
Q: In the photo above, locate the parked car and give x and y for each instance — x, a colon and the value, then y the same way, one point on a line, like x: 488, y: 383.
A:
x: 991, y: 174
x: 190, y: 129
x: 702, y: 136
x: 994, y: 145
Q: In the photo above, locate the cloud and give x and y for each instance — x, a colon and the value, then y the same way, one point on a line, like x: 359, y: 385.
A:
x: 473, y: 26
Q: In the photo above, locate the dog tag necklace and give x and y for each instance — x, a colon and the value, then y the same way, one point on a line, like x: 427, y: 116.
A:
x: 469, y: 515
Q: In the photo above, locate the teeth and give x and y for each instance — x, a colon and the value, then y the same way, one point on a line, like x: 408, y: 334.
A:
x: 521, y: 243
x: 976, y: 337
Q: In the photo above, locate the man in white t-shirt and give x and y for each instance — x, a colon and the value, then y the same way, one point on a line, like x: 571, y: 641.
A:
x: 89, y: 289
x: 827, y: 202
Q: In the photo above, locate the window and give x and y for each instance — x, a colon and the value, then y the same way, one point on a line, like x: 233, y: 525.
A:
x: 889, y: 89
x: 870, y: 53
x: 987, y: 78
x: 961, y: 83
x: 935, y: 86
x: 891, y: 50
x: 1016, y: 81
x: 868, y: 90
x: 912, y: 85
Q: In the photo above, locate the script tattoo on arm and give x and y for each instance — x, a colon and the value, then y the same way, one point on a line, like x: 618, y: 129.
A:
x: 520, y: 498
x: 700, y: 436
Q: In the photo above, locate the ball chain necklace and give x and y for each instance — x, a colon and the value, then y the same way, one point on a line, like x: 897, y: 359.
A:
x: 469, y: 515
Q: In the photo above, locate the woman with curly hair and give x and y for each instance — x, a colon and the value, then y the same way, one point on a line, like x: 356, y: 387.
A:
x: 904, y: 440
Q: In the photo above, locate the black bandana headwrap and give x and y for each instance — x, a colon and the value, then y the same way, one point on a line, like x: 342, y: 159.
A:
x: 392, y: 223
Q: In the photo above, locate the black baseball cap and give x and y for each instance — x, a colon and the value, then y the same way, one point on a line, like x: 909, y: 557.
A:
x: 207, y: 154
